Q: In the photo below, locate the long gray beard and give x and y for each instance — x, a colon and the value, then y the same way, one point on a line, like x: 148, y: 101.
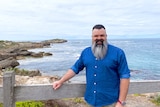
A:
x: 100, y: 51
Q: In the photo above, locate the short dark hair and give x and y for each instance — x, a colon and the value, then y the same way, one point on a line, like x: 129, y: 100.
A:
x: 98, y: 26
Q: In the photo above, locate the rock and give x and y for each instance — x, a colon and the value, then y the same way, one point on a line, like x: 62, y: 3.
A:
x: 24, y: 53
x: 19, y: 80
x: 38, y: 80
x: 54, y: 41
x: 47, y: 54
x: 30, y: 45
x: 37, y: 55
x: 35, y: 80
x: 10, y: 62
x: 7, y: 55
x: 34, y: 73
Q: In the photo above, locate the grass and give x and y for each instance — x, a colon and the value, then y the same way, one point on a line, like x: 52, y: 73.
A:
x: 28, y: 104
x: 7, y: 44
x: 75, y: 100
x: 78, y: 100
x: 137, y: 94
x: 66, y: 102
x: 156, y: 100
x: 19, y: 71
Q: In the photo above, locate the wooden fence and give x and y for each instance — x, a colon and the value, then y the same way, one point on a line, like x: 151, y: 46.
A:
x: 10, y: 93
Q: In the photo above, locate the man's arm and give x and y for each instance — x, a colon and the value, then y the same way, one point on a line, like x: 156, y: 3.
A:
x: 124, y: 86
x: 70, y: 73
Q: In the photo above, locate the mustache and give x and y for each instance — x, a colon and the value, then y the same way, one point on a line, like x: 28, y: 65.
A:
x: 99, y: 40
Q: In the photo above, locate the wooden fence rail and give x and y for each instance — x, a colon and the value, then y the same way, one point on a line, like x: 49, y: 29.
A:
x: 11, y: 93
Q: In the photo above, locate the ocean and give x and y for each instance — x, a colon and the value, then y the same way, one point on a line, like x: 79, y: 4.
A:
x: 143, y: 56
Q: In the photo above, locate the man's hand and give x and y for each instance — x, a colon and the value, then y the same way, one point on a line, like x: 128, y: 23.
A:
x: 56, y: 85
x: 70, y: 73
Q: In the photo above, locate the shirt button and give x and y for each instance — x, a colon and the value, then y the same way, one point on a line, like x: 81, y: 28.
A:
x: 96, y: 58
x: 94, y: 83
x: 95, y: 75
x: 95, y: 66
x: 94, y: 91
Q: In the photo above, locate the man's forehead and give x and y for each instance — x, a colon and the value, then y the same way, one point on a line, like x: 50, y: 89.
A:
x: 99, y: 31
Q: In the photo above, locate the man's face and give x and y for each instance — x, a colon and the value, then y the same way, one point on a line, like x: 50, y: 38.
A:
x: 99, y: 36
x: 99, y: 43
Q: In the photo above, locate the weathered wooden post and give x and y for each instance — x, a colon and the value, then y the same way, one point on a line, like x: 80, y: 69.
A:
x: 8, y: 89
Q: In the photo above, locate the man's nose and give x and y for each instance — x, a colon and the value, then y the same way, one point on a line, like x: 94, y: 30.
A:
x: 99, y: 37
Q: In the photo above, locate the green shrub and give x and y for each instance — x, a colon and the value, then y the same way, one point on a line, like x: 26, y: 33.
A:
x: 1, y: 105
x: 156, y: 100
x: 78, y: 100
x: 28, y: 104
x: 1, y: 41
x: 18, y: 71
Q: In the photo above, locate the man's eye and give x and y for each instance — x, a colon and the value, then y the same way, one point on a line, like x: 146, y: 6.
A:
x: 102, y: 35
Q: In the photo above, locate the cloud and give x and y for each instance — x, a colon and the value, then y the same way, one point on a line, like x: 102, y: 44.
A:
x: 75, y: 18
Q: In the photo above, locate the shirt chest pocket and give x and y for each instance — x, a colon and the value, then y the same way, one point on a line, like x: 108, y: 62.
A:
x: 110, y: 64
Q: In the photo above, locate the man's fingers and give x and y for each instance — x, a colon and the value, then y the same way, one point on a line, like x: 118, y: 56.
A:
x: 56, y: 85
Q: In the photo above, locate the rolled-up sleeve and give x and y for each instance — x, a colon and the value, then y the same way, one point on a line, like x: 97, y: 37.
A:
x: 123, y: 69
x: 78, y: 66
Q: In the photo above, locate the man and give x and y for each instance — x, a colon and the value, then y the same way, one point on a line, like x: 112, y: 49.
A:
x: 107, y: 73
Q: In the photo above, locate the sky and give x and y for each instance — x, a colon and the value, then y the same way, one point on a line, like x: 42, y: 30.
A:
x: 74, y: 19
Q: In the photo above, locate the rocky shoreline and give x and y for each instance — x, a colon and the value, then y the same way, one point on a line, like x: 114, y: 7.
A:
x: 11, y: 51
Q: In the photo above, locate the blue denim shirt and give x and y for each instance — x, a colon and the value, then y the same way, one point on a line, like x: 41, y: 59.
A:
x: 102, y: 76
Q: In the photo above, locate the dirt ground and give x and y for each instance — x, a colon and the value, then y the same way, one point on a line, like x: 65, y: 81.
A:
x: 132, y: 101
x: 139, y: 101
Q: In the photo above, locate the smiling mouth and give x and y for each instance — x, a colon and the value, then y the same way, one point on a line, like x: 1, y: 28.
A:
x: 99, y: 42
